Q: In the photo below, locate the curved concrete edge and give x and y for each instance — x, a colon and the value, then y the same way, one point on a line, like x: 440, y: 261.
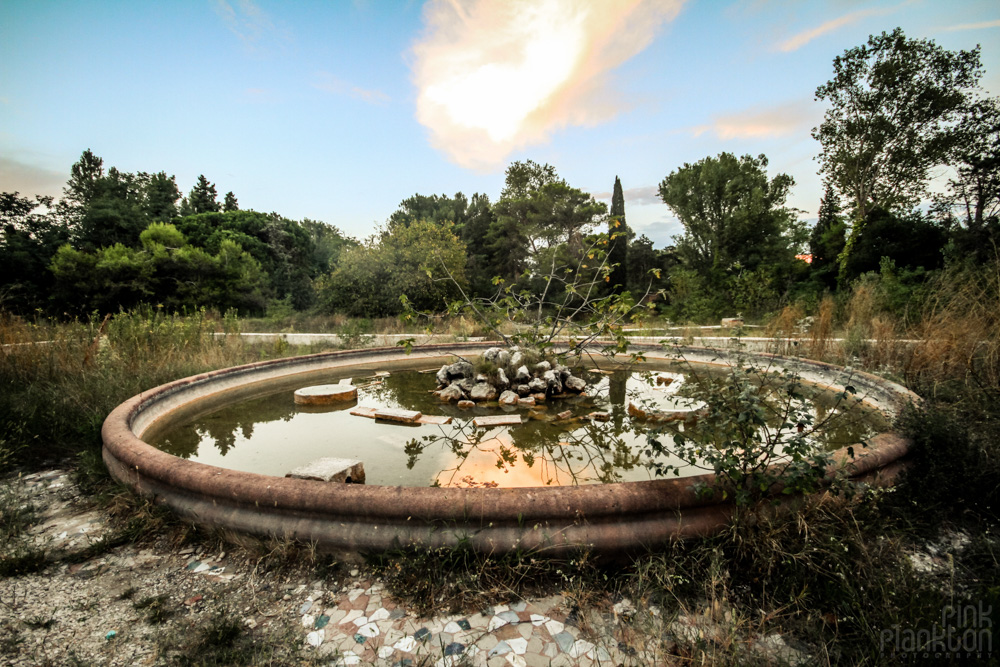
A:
x: 608, y: 517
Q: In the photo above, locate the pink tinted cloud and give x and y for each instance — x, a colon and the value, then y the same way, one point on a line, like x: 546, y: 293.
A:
x: 761, y: 123
x: 797, y: 41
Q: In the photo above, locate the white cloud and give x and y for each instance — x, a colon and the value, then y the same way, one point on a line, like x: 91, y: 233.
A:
x: 332, y: 84
x: 799, y: 40
x: 493, y: 77
x: 762, y: 123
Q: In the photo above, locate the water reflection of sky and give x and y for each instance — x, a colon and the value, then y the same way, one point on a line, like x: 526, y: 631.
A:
x: 271, y: 435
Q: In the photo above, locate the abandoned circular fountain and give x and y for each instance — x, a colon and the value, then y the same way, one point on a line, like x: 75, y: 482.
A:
x: 602, y: 517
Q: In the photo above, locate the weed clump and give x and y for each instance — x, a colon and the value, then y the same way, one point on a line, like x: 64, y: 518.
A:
x: 461, y: 579
x: 18, y: 555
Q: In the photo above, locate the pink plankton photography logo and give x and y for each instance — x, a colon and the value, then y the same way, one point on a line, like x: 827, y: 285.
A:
x: 964, y: 633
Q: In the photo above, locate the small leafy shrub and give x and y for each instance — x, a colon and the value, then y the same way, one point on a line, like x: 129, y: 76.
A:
x: 757, y: 432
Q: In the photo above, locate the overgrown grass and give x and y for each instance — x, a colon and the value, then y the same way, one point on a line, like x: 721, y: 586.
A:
x: 460, y: 579
x: 59, y: 380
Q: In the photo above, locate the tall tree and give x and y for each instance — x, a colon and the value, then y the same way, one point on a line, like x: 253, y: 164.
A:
x: 203, y: 197
x: 733, y: 215
x: 82, y: 184
x: 160, y: 196
x: 618, y: 235
x: 538, y: 210
x: 974, y: 193
x: 480, y: 217
x: 115, y: 213
x: 29, y: 239
x: 827, y: 238
x: 892, y: 105
x: 434, y: 208
x: 230, y: 203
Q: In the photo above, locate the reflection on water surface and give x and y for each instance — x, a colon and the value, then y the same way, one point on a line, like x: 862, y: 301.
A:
x: 269, y: 434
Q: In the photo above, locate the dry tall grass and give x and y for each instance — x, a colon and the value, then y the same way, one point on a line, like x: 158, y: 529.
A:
x: 959, y: 332
x: 60, y: 379
x: 822, y: 328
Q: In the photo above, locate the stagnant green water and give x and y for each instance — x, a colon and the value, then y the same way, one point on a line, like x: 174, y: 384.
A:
x: 270, y: 434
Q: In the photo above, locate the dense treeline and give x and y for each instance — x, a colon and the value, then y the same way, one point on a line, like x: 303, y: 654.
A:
x: 119, y: 239
x: 899, y: 110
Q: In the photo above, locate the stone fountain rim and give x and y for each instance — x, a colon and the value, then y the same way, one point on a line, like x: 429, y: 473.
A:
x: 604, y: 517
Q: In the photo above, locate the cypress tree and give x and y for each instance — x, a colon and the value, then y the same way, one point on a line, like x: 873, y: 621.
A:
x: 619, y: 234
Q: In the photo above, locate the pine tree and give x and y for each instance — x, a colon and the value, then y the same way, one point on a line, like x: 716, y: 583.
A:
x: 160, y: 196
x: 203, y: 197
x: 619, y: 236
x: 82, y: 184
x: 230, y: 203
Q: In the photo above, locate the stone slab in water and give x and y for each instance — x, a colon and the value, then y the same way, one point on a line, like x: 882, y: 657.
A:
x: 496, y: 420
x: 350, y: 471
x: 324, y: 394
x: 401, y: 416
x: 361, y: 411
x: 434, y: 419
x: 640, y: 411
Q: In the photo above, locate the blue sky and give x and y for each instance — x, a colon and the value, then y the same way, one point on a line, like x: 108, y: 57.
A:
x: 337, y: 111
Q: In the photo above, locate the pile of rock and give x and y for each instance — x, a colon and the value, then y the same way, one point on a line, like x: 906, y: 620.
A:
x: 513, y: 382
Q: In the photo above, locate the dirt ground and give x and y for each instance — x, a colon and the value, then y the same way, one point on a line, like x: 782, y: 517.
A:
x: 154, y: 602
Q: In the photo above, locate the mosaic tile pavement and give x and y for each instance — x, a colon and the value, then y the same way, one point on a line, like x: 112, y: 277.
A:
x: 360, y: 625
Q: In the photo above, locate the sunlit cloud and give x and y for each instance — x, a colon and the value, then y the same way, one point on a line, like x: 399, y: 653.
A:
x: 493, y: 77
x: 332, y: 84
x: 799, y: 40
x: 784, y: 120
x: 974, y: 26
x: 29, y: 180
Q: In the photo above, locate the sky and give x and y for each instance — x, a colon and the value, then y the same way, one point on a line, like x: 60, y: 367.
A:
x: 339, y: 110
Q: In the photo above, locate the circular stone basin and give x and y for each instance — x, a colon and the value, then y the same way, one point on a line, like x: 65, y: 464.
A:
x: 604, y: 517
x: 324, y: 394
x: 405, y: 435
